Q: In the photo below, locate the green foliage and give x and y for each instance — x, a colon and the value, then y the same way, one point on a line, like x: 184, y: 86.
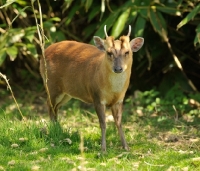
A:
x: 189, y: 17
x: 16, y: 41
x: 175, y: 103
x: 168, y: 27
x: 120, y: 23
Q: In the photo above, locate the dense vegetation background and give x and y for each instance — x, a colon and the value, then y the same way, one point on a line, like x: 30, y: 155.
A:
x: 162, y: 108
x: 168, y: 64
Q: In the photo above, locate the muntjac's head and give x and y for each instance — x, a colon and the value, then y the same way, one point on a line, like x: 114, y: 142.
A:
x: 118, y: 53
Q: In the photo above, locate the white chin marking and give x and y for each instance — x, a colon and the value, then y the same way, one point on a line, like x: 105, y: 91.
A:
x: 118, y: 81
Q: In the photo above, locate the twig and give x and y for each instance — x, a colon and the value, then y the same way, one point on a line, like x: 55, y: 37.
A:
x: 177, y: 62
x: 176, y: 116
x: 2, y: 30
x: 108, y: 5
x: 7, y: 18
x: 9, y: 87
x: 156, y: 165
x: 41, y: 42
x: 149, y: 58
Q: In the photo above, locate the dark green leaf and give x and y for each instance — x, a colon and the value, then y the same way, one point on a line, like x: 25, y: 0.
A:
x: 189, y: 17
x: 12, y: 52
x: 16, y: 35
x: 4, y: 39
x: 88, y: 4
x: 29, y: 33
x: 66, y: 5
x: 48, y: 24
x: 57, y: 36
x: 89, y: 30
x: 31, y: 49
x: 22, y: 2
x: 197, y: 37
x: 120, y: 23
x: 143, y: 7
x: 55, y: 19
x: 72, y: 13
x: 95, y: 10
x: 139, y: 26
x: 158, y: 22
x: 2, y: 55
x: 133, y: 16
x: 169, y: 10
x: 142, y: 3
x: 108, y: 23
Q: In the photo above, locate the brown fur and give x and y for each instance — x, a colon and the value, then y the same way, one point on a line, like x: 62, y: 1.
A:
x: 81, y: 71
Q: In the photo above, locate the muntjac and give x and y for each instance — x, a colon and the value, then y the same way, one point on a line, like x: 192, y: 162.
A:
x: 98, y: 75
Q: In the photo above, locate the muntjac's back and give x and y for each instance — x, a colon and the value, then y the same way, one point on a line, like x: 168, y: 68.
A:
x: 73, y: 66
x: 98, y: 75
x: 64, y: 57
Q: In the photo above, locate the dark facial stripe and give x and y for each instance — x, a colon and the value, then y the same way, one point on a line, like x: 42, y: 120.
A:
x: 122, y: 42
x: 113, y: 43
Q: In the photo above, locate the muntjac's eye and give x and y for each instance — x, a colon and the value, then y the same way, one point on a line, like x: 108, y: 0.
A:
x: 109, y: 54
x: 127, y: 53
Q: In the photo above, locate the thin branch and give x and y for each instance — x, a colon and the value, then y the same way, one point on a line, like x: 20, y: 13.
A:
x: 149, y: 58
x: 9, y: 87
x: 2, y: 30
x: 177, y: 62
x: 176, y: 113
x: 108, y: 5
x: 7, y: 18
x: 41, y: 42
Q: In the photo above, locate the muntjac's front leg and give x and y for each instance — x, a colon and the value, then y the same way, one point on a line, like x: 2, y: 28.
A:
x: 100, y: 110
x: 117, y: 114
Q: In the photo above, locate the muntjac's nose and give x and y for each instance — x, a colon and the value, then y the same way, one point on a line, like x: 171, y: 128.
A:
x: 118, y: 69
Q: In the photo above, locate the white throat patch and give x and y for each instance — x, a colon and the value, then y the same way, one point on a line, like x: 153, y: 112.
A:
x: 118, y: 81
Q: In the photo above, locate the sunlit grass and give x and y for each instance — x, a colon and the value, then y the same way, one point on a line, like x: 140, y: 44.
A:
x: 74, y: 142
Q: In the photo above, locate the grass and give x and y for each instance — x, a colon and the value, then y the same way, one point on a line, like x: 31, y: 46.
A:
x: 156, y: 142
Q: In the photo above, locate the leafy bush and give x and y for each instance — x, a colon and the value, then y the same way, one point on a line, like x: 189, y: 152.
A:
x: 175, y: 103
x: 170, y: 28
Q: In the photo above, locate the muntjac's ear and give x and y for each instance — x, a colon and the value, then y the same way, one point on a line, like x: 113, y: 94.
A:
x: 99, y: 43
x: 136, y: 44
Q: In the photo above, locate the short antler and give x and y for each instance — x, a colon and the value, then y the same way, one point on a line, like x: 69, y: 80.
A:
x: 105, y: 31
x: 129, y: 32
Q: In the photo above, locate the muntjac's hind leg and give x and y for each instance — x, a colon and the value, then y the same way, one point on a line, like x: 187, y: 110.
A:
x: 56, y: 102
x: 117, y: 114
x: 51, y: 111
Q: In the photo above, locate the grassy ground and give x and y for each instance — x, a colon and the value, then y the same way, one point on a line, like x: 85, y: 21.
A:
x: 157, y: 142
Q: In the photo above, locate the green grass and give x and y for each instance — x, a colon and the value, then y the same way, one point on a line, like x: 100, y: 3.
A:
x: 156, y: 142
